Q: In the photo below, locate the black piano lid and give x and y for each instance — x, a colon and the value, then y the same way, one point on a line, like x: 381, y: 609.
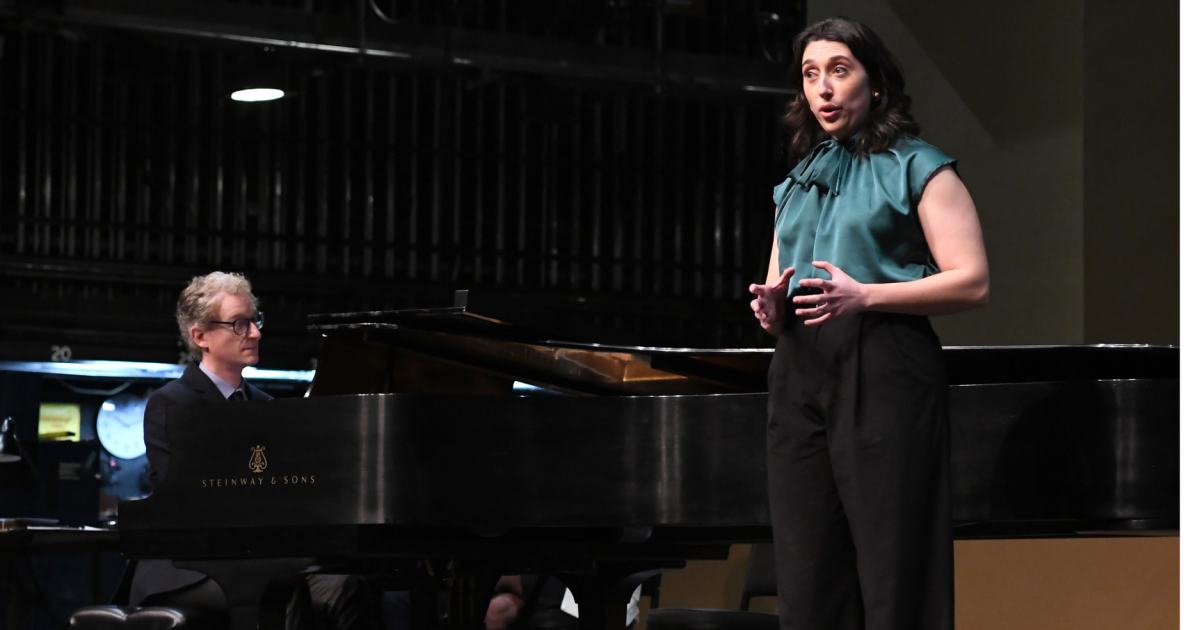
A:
x: 745, y: 368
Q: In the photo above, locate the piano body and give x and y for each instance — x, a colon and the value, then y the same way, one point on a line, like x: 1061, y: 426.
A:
x: 414, y: 458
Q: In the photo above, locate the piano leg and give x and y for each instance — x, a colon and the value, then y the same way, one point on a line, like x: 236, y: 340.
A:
x: 244, y: 581
x: 603, y: 595
x: 471, y: 590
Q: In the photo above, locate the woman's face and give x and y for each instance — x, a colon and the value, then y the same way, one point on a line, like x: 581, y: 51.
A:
x: 836, y: 87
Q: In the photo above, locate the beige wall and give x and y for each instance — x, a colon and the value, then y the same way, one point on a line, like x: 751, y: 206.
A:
x: 1001, y: 87
x: 1097, y: 584
x: 1131, y: 174
x: 1027, y: 180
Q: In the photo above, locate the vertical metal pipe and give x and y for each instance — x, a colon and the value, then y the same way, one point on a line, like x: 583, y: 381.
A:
x: 278, y: 199
x: 5, y: 105
x: 765, y: 133
x: 323, y: 148
x: 597, y: 165
x: 501, y: 200
x: 719, y: 178
x: 619, y: 167
x: 368, y: 196
x: 121, y: 161
x: 95, y: 141
x: 576, y: 189
x: 22, y: 141
x: 436, y: 211
x: 216, y: 222
x: 239, y: 220
x: 41, y: 209
x: 523, y: 190
x: 389, y: 257
x: 414, y: 159
x: 192, y: 163
x: 167, y: 206
x: 660, y: 184
x: 698, y: 175
x: 551, y: 170
x: 739, y: 201
x: 681, y: 146
x: 142, y: 174
x: 262, y: 196
x: 456, y: 222
x: 347, y: 185
x: 639, y: 196
x: 70, y: 141
x: 479, y: 187
x: 302, y: 142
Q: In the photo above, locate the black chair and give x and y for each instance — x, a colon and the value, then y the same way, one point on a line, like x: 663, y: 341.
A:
x: 121, y: 616
x: 146, y: 618
x: 760, y: 582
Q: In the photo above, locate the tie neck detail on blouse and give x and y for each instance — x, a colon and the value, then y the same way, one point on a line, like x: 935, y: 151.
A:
x: 825, y: 166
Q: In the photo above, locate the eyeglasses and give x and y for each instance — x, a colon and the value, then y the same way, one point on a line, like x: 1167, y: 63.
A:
x: 241, y: 325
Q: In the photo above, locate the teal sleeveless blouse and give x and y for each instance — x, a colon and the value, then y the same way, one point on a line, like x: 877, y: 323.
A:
x: 859, y: 214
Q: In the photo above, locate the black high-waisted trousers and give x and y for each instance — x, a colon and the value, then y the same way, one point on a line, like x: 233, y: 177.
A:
x: 858, y: 465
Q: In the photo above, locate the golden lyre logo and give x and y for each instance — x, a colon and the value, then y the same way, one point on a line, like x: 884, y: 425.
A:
x: 258, y: 459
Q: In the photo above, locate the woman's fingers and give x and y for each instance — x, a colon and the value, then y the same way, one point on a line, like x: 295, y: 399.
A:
x: 827, y: 266
x: 817, y: 321
x: 812, y: 310
x: 810, y: 300
x: 764, y: 290
x: 768, y: 299
x: 818, y: 283
x: 785, y: 277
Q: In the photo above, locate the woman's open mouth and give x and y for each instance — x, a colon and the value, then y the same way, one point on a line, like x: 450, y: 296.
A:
x: 829, y: 112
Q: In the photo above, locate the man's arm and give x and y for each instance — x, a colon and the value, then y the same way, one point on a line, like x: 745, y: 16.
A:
x: 154, y: 429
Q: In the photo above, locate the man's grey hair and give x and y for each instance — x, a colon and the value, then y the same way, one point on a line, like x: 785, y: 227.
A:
x: 198, y: 303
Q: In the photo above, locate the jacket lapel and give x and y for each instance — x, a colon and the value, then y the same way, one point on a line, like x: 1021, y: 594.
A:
x: 255, y: 393
x: 202, y: 385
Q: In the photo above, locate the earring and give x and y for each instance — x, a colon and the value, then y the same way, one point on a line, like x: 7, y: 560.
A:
x: 877, y: 95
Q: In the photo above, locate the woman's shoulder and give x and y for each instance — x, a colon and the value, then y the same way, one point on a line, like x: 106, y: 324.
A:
x: 912, y: 162
x: 907, y: 147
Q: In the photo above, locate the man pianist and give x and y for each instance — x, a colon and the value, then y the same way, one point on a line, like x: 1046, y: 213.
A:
x: 220, y: 322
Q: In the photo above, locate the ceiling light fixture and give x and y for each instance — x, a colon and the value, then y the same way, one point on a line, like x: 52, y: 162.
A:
x: 256, y: 95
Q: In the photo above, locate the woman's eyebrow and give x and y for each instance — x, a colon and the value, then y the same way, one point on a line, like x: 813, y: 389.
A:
x: 842, y: 58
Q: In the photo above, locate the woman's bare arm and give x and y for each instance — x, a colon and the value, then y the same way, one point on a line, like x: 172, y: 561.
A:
x: 955, y: 239
x: 773, y: 267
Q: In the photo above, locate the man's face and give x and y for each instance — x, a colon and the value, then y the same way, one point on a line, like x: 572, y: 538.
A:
x: 223, y: 346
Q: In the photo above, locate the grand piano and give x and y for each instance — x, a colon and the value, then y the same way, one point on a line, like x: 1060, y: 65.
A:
x: 439, y: 448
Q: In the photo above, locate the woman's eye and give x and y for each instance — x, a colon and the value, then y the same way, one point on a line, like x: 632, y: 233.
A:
x: 840, y: 70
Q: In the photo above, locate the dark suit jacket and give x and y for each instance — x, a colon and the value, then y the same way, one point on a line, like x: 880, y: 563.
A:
x: 194, y: 387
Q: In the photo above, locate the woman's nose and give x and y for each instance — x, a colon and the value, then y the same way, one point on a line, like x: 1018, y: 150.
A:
x: 825, y: 88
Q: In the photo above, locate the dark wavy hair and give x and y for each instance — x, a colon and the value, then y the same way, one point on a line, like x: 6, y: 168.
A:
x: 889, y: 116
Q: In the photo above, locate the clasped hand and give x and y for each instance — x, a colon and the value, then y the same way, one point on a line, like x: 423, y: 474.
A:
x: 841, y: 295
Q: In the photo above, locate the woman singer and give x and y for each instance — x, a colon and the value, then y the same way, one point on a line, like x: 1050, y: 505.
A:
x: 874, y: 232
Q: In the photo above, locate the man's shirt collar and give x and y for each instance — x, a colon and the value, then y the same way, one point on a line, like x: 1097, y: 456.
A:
x: 225, y: 388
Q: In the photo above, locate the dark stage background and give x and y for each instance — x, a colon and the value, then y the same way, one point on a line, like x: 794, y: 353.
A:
x: 601, y: 170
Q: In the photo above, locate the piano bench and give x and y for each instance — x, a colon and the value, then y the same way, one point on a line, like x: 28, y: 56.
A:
x: 147, y: 618
x: 701, y: 619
